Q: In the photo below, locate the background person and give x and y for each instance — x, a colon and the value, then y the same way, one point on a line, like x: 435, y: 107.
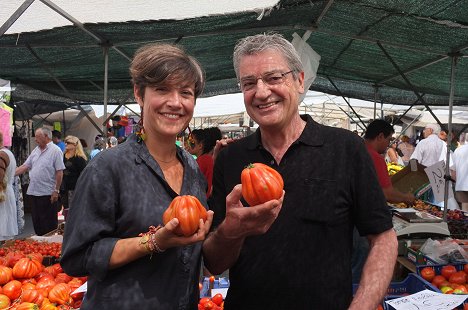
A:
x: 459, y: 169
x: 428, y: 151
x: 8, y: 210
x: 201, y: 144
x: 75, y: 160
x: 406, y: 148
x: 45, y: 166
x: 295, y: 253
x: 57, y: 139
x: 377, y: 137
x: 126, y: 189
x: 99, y: 145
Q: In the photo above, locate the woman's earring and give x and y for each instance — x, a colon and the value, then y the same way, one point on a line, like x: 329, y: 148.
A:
x: 141, y: 130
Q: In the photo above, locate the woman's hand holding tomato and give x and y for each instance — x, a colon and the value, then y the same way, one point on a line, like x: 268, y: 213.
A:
x: 168, y: 236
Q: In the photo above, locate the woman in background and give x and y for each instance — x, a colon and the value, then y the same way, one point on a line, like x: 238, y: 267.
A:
x: 74, y: 159
x: 202, y: 143
x: 8, y: 212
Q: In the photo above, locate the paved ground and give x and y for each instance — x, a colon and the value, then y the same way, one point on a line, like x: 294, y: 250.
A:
x: 28, y: 227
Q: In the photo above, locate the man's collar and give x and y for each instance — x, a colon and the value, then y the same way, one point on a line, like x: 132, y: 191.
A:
x: 311, y: 135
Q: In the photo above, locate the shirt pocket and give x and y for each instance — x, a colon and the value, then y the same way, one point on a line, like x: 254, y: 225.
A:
x: 319, y: 202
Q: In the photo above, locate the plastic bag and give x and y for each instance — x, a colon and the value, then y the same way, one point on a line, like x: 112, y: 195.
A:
x: 309, y: 58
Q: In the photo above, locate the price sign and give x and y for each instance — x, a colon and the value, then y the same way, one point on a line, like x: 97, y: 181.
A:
x: 427, y: 300
x: 436, y: 174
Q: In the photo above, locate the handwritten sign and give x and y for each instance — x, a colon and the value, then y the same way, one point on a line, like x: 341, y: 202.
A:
x: 427, y: 300
x: 436, y: 174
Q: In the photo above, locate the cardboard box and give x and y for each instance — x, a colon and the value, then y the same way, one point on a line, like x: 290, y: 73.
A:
x: 412, y: 179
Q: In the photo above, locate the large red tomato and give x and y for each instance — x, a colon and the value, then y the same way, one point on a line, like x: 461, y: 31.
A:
x: 27, y: 306
x: 261, y: 183
x: 6, y: 275
x: 438, y: 280
x: 33, y: 296
x: 60, y: 294
x: 448, y: 270
x: 217, y: 299
x: 26, y: 268
x: 428, y: 274
x: 4, y: 301
x: 188, y: 210
x: 12, y: 289
x: 458, y: 277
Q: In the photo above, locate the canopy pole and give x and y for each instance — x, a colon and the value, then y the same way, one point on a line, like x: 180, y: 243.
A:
x: 23, y: 7
x: 375, y: 100
x: 413, y: 89
x: 454, y: 59
x: 106, y: 69
x: 349, y: 105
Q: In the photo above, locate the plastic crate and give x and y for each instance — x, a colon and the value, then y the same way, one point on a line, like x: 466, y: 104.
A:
x: 411, y: 285
x: 437, y: 268
x: 218, y: 283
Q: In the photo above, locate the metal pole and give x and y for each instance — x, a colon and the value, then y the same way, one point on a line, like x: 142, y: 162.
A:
x: 449, y: 138
x: 106, y: 67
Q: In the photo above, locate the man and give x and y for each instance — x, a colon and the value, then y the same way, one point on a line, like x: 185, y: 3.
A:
x: 57, y: 139
x: 299, y: 258
x: 428, y: 151
x: 459, y: 171
x: 45, y: 166
x: 377, y: 138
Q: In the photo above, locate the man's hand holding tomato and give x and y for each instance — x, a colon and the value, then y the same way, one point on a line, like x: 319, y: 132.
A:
x: 239, y: 223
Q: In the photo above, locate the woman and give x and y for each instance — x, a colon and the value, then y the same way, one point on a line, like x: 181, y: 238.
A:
x: 74, y: 159
x: 126, y: 189
x: 99, y: 145
x: 406, y: 148
x: 202, y: 143
x: 8, y: 212
x: 392, y: 155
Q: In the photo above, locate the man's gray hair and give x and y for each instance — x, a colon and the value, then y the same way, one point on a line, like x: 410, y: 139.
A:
x: 47, y: 132
x: 435, y: 128
x: 267, y: 41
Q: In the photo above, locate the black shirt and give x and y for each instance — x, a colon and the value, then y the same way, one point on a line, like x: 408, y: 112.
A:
x: 304, y: 260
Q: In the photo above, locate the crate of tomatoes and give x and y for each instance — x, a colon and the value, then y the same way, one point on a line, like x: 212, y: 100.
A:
x: 448, y: 279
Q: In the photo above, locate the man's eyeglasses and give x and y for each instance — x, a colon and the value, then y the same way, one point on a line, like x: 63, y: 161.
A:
x: 271, y: 79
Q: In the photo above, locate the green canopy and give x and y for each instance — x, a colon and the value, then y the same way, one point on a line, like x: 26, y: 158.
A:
x: 397, y: 51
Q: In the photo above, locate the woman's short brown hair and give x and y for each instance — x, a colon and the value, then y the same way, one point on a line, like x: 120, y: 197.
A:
x: 165, y: 64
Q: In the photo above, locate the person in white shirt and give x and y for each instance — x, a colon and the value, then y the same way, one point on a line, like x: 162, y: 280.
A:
x: 45, y: 166
x: 459, y: 171
x: 429, y: 150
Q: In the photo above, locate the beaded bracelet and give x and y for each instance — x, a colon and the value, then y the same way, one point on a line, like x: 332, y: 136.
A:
x: 148, y: 239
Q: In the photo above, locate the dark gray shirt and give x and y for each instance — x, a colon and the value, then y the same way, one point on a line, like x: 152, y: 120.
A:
x: 120, y: 193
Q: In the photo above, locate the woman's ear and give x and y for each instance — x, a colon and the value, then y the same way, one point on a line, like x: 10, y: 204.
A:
x: 136, y: 93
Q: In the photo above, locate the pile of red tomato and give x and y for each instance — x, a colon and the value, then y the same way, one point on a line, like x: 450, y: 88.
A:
x: 214, y: 303
x: 449, y: 280
x: 27, y: 247
x: 25, y: 283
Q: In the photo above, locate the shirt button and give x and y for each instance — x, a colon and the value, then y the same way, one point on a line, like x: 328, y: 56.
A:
x: 272, y: 162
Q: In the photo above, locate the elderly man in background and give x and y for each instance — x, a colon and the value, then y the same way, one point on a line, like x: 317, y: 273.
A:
x: 429, y: 150
x: 45, y: 166
x: 459, y: 172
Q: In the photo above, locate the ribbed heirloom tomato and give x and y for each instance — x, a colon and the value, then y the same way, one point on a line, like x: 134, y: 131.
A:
x: 261, y: 183
x: 188, y: 210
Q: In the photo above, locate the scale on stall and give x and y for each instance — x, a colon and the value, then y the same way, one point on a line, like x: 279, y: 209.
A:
x: 410, y: 222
